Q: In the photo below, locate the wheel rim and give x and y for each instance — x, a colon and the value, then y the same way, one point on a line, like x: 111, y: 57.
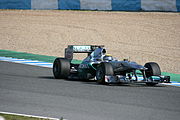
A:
x: 100, y: 74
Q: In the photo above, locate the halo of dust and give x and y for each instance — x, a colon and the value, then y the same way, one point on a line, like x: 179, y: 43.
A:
x: 140, y: 36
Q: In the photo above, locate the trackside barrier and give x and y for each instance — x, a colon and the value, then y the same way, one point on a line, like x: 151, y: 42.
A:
x: 120, y: 5
x: 15, y: 4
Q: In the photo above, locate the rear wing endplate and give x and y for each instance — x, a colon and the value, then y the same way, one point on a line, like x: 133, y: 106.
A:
x: 80, y: 49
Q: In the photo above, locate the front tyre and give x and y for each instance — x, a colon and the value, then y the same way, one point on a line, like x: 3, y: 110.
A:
x: 102, y: 70
x: 153, y: 69
x: 61, y: 68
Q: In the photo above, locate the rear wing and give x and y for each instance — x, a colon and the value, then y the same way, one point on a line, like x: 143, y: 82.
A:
x: 80, y: 49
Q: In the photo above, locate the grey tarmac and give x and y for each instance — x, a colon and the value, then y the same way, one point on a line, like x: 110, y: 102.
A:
x: 32, y: 90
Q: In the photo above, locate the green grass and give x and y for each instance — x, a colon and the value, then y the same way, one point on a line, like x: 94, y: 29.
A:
x: 24, y: 55
x: 18, y: 117
x: 174, y: 77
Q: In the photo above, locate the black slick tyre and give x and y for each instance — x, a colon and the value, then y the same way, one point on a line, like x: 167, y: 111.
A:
x: 102, y: 70
x: 61, y: 68
x: 153, y: 69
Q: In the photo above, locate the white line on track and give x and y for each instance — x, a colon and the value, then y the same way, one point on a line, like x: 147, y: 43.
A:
x: 172, y: 84
x: 29, y: 62
x: 25, y: 115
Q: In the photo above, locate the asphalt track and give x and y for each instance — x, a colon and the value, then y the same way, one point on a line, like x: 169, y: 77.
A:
x: 32, y: 90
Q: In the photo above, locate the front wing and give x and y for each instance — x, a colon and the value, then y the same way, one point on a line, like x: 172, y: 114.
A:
x: 140, y: 79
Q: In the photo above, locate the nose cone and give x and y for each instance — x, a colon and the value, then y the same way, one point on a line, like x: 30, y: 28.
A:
x: 137, y: 66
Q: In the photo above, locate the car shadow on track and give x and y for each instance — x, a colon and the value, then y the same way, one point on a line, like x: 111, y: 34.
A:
x: 93, y: 82
x: 46, y: 77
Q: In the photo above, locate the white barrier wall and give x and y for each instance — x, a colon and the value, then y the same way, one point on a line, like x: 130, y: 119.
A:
x: 124, y: 5
x: 44, y: 4
x: 158, y: 5
x: 96, y: 4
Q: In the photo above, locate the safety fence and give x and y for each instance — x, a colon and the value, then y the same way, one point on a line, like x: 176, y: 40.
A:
x: 114, y: 5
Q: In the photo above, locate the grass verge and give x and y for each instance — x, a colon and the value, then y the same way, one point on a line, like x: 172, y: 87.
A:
x: 24, y: 55
x: 20, y: 117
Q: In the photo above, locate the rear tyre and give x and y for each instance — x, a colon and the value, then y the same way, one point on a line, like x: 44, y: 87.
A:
x: 61, y: 68
x: 102, y: 70
x: 153, y: 70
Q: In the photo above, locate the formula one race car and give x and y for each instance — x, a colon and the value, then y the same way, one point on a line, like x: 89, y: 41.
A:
x: 104, y: 68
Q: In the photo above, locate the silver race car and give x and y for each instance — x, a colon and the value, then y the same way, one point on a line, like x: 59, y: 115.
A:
x: 104, y: 68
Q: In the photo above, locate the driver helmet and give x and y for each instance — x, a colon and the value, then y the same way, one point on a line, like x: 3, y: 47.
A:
x: 107, y: 57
